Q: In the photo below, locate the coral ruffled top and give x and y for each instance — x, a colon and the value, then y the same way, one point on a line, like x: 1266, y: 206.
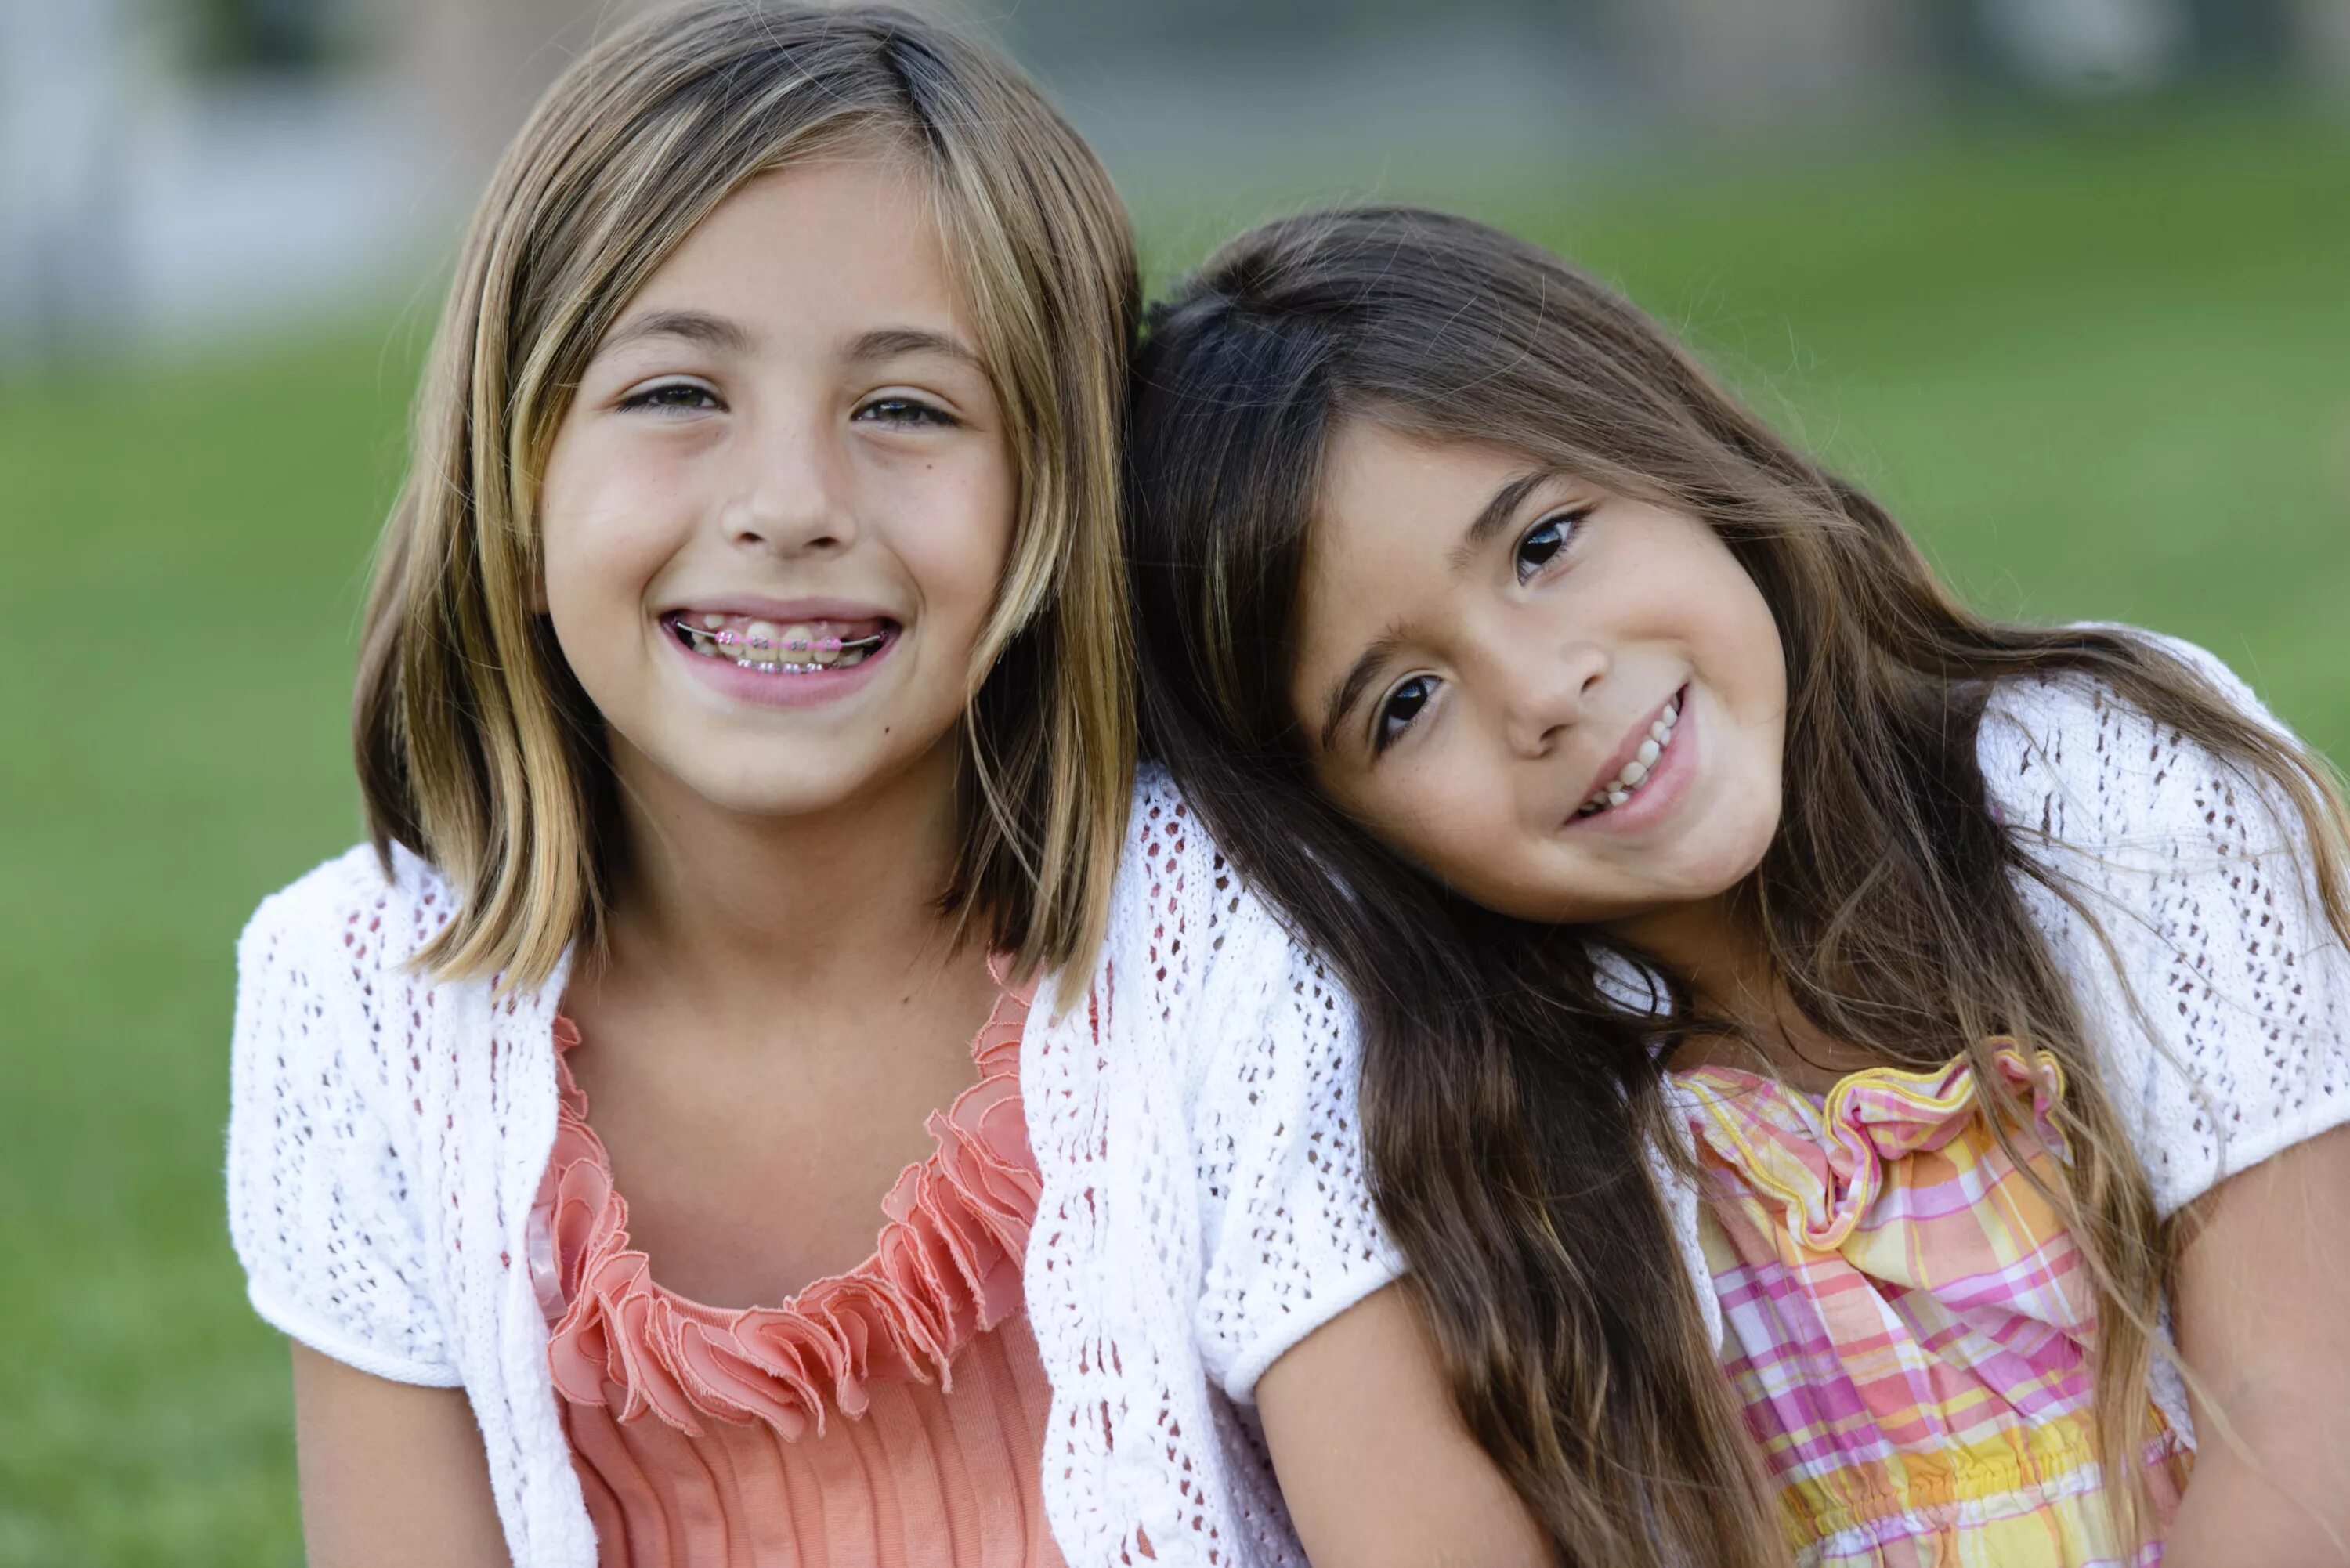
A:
x: 892, y: 1415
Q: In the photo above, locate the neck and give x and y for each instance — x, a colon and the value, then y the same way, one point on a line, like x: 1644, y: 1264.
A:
x: 1720, y: 949
x: 709, y: 904
x: 1708, y: 943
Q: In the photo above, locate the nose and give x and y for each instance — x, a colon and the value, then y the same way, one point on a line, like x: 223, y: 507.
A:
x: 1543, y: 692
x: 790, y: 495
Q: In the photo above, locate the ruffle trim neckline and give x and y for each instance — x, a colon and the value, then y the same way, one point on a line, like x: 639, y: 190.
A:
x: 945, y: 1268
x: 1822, y: 1160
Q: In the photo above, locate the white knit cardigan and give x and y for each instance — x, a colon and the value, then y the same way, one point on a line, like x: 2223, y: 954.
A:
x: 1204, y: 1201
x: 1204, y: 1205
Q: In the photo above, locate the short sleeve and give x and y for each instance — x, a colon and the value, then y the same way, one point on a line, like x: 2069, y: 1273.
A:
x: 319, y: 1205
x: 2223, y: 1006
x: 1291, y: 1235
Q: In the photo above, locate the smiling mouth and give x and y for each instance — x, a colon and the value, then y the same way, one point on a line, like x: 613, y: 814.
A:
x: 793, y: 648
x: 1643, y: 765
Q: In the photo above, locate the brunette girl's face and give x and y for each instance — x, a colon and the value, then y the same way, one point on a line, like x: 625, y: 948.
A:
x: 776, y: 513
x: 1566, y: 704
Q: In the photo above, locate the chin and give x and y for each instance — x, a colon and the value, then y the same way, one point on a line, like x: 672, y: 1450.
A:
x: 781, y: 791
x: 1553, y: 906
x: 1546, y: 906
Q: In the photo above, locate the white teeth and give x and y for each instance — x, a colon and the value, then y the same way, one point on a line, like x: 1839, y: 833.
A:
x: 1620, y: 788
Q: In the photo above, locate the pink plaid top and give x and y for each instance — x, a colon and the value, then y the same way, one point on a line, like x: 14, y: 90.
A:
x: 1906, y: 1321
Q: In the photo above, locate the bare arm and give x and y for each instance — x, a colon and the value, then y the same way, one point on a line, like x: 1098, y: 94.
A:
x: 1374, y: 1463
x: 392, y: 1473
x: 2263, y: 1316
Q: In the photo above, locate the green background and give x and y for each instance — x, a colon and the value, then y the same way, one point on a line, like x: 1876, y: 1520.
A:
x: 2099, y: 364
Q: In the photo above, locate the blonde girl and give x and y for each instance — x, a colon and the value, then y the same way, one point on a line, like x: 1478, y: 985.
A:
x: 775, y: 1087
x: 1824, y: 1049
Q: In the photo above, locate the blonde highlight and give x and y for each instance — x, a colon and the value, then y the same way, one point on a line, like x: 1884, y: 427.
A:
x: 475, y: 746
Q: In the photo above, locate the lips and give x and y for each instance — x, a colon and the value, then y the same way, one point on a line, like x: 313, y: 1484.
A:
x: 1637, y: 759
x: 776, y: 653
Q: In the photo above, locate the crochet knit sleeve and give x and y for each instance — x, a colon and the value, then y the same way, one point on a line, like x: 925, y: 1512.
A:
x: 319, y: 1203
x: 1289, y: 1234
x: 2212, y: 980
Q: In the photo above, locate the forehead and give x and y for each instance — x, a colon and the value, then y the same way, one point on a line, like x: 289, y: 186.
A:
x: 1380, y: 478
x: 845, y: 233
x: 1392, y: 509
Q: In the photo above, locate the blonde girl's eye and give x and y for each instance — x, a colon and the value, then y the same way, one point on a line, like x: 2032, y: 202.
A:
x: 906, y: 413
x: 1541, y: 545
x: 1402, y: 706
x: 672, y: 397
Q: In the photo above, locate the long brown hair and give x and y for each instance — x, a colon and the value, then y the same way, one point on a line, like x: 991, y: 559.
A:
x: 1509, y: 1105
x: 476, y: 747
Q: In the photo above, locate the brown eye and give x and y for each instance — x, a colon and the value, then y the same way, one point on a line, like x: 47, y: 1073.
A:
x: 1403, y: 705
x: 906, y: 413
x: 671, y: 396
x: 1541, y: 545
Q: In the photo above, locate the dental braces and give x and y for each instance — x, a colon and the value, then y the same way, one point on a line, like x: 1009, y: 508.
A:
x: 734, y: 644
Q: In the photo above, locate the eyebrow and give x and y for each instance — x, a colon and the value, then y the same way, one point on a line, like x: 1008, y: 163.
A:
x: 1349, y: 691
x: 699, y: 327
x: 887, y: 342
x: 1498, y: 511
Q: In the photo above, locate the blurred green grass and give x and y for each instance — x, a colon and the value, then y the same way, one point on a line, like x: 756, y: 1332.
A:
x: 2102, y: 367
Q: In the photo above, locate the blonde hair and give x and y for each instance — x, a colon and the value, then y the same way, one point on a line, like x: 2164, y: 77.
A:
x: 476, y: 747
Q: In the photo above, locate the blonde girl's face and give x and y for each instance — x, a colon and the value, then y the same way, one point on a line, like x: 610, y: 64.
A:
x: 777, y: 511
x: 1567, y: 704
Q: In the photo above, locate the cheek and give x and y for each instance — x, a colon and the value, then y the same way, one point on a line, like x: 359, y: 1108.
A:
x: 1756, y: 696
x: 953, y: 531
x: 606, y: 527
x: 1745, y: 636
x: 1443, y: 813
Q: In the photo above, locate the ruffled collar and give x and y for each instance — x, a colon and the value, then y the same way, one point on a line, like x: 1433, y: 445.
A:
x: 945, y: 1268
x: 1823, y: 1159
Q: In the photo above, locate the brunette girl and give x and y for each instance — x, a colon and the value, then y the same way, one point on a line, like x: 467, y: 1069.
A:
x: 1855, y: 1081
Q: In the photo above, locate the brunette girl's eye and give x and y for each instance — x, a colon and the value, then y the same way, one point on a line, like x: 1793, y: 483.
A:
x: 907, y: 413
x: 672, y: 397
x: 1541, y: 544
x: 1402, y: 706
